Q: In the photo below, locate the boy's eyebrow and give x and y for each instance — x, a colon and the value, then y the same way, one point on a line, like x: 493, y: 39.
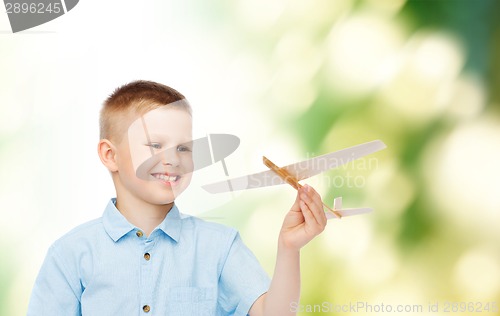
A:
x: 147, y: 135
x: 164, y: 136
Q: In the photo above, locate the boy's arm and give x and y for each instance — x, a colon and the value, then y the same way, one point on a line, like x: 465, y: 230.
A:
x: 56, y: 290
x: 305, y: 220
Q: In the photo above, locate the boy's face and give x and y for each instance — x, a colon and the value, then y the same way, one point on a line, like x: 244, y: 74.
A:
x: 155, y: 157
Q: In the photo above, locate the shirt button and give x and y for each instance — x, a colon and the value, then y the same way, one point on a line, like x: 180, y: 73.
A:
x: 147, y: 256
x: 146, y: 308
x: 139, y: 233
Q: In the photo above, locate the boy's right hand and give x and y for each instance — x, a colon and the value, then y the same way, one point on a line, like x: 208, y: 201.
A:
x: 305, y: 220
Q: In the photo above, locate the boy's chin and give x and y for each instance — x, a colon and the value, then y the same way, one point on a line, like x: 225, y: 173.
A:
x: 161, y: 197
x: 161, y: 201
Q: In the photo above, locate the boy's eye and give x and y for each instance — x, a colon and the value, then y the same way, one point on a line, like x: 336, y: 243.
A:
x: 183, y: 148
x: 154, y: 145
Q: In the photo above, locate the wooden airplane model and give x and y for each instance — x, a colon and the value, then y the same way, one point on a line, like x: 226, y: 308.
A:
x: 293, y: 173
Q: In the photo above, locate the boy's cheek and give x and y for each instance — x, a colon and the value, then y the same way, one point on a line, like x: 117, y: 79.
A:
x: 186, y: 179
x: 140, y: 156
x: 188, y: 165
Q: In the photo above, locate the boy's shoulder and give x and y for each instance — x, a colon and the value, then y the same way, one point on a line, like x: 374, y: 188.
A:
x: 87, y: 230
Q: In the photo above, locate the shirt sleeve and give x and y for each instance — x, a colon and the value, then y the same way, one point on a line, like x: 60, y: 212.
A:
x: 242, y: 280
x: 57, y: 290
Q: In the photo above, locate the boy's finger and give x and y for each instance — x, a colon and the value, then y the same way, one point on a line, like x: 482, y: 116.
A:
x: 305, y: 196
x: 309, y: 217
x: 296, y: 206
x: 317, y: 197
x: 319, y: 215
x: 314, y: 197
x: 316, y: 206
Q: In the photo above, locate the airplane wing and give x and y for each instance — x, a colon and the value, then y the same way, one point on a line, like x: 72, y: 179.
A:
x: 316, y: 165
x: 256, y: 180
x: 300, y: 170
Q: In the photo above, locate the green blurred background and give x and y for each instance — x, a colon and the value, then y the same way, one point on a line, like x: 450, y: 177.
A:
x: 292, y: 79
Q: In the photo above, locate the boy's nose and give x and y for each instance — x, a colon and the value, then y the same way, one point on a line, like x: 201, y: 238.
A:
x: 170, y: 157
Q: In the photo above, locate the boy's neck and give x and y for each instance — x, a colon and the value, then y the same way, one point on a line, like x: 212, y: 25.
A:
x: 141, y: 214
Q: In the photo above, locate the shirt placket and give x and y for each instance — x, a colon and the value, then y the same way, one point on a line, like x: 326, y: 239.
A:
x: 146, y: 294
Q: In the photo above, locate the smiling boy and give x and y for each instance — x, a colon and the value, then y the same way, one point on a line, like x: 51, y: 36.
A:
x: 144, y: 257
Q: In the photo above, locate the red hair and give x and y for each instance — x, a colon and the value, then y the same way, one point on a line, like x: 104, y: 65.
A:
x: 135, y: 98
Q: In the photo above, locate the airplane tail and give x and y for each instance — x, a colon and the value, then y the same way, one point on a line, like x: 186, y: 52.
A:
x: 337, y: 206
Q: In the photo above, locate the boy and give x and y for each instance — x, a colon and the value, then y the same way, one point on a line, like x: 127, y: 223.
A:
x: 143, y: 257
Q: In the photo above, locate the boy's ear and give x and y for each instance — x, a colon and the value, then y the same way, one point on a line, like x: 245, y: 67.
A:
x: 107, y: 154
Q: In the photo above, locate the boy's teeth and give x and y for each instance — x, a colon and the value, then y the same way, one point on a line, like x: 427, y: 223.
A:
x: 165, y: 178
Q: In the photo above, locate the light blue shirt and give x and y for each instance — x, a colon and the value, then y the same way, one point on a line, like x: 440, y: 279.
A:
x: 185, y: 267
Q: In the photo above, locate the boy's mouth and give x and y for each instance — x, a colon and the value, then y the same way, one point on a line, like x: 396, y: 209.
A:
x: 166, y: 177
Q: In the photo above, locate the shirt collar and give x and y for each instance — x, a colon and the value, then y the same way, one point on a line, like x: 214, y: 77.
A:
x: 117, y: 226
x: 171, y: 225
